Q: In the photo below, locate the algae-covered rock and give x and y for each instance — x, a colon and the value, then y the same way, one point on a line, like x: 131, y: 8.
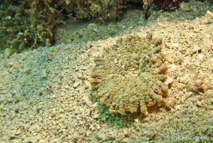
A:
x: 31, y: 23
x: 130, y: 76
x: 8, y: 52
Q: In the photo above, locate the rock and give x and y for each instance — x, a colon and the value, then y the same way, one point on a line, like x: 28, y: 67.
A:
x: 195, y: 48
x: 125, y: 140
x: 199, y: 104
x: 87, y: 85
x: 210, y: 121
x: 75, y: 136
x: 171, y: 102
x: 200, y: 56
x: 76, y: 84
x: 100, y: 136
x: 168, y: 80
x: 44, y: 73
x: 87, y: 100
x: 8, y: 52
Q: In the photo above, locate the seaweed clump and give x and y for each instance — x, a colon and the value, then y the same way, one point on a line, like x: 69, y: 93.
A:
x: 129, y: 77
x: 27, y: 24
x: 31, y: 23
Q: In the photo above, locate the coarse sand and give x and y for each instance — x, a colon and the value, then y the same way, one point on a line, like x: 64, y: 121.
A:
x: 45, y: 93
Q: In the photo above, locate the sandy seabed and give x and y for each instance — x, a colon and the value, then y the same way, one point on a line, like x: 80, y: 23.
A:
x: 45, y: 94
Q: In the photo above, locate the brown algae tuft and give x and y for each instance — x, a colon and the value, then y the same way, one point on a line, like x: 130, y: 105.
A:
x: 130, y: 76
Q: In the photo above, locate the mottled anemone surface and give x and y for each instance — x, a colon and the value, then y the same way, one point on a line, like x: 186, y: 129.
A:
x: 129, y: 76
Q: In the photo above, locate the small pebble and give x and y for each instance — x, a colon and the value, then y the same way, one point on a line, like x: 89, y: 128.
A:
x: 100, y: 136
x: 76, y: 84
x: 17, y: 110
x: 210, y: 122
x: 199, y: 104
x: 43, y: 73
x: 75, y: 136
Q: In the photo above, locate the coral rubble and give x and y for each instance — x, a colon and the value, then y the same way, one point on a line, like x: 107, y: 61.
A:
x: 130, y: 76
